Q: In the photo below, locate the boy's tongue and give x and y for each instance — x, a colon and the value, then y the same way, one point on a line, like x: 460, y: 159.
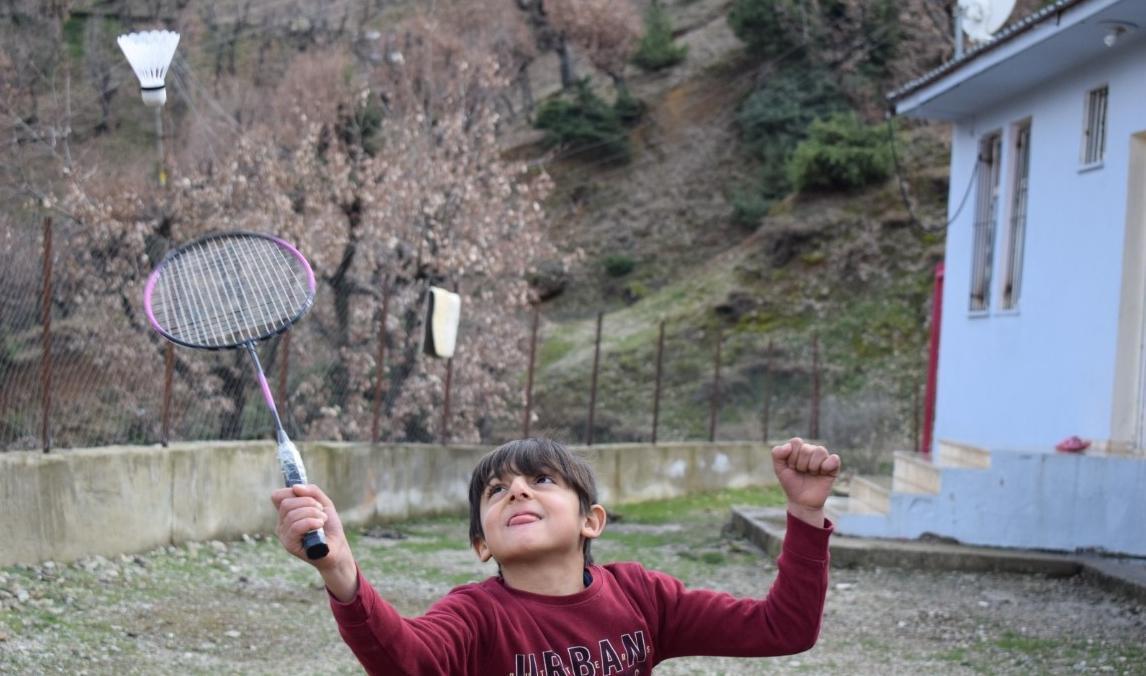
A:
x: 519, y: 519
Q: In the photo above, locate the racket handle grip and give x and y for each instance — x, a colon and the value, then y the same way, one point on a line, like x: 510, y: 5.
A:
x: 314, y: 543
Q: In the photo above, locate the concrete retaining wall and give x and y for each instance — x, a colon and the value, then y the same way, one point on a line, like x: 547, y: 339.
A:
x: 69, y: 504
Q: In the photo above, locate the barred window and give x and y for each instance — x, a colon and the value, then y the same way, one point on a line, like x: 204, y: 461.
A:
x: 1094, y: 127
x: 986, y: 214
x: 1016, y: 232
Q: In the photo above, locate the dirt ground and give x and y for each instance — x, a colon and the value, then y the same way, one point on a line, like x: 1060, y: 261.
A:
x: 245, y: 607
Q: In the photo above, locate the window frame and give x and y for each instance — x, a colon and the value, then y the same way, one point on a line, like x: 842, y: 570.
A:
x: 985, y: 220
x: 1018, y: 211
x: 1095, y: 117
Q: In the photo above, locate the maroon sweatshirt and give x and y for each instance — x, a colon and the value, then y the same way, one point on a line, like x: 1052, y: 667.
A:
x: 626, y: 621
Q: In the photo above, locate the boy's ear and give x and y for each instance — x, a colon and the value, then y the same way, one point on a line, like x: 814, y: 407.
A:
x: 594, y: 523
x: 482, y: 551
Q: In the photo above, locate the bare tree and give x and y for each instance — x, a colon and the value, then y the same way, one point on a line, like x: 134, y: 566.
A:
x: 101, y: 59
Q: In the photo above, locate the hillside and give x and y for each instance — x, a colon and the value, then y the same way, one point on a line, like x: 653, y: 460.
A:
x: 698, y: 225
x: 849, y: 267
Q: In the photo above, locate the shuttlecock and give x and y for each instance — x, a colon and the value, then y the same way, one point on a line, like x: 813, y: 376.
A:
x: 149, y: 54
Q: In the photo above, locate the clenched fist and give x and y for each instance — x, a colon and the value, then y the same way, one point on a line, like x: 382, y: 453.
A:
x: 806, y: 473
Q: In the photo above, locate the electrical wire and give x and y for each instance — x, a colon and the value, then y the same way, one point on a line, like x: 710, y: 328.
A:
x: 903, y: 188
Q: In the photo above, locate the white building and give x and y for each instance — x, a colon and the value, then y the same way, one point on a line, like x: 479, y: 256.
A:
x: 1044, y: 303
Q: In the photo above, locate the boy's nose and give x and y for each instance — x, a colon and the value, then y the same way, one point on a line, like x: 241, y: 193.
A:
x: 519, y: 487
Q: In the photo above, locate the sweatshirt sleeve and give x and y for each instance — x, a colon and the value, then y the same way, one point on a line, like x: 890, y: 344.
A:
x: 439, y: 642
x: 786, y: 621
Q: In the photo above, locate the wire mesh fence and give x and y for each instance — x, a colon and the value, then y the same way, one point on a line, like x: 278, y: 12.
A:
x: 80, y: 367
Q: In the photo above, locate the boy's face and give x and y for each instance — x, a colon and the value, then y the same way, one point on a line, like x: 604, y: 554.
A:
x: 534, y: 517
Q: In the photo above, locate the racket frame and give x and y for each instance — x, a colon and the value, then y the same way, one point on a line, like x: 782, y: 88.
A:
x: 175, y: 253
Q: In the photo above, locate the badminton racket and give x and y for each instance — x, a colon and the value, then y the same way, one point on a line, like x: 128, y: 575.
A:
x: 229, y: 291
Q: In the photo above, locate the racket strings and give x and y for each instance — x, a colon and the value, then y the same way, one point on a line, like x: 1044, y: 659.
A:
x: 230, y: 290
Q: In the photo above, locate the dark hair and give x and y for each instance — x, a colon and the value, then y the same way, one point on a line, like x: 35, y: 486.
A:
x: 530, y: 457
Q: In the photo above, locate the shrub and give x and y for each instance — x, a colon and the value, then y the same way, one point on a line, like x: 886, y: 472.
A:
x: 766, y: 26
x: 583, y: 122
x: 748, y: 207
x: 619, y: 265
x: 656, y: 49
x: 882, y: 34
x: 840, y: 153
x: 775, y: 118
x: 629, y: 108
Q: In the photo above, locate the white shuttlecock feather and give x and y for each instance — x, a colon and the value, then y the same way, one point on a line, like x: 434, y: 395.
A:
x: 149, y: 54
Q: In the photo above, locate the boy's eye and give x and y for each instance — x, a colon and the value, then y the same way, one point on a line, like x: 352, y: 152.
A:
x: 545, y: 478
x: 494, y: 490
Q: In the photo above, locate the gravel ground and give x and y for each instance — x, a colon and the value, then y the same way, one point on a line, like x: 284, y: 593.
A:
x: 246, y: 607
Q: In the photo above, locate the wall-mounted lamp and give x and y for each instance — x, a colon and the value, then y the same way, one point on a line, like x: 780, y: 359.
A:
x: 1115, y: 30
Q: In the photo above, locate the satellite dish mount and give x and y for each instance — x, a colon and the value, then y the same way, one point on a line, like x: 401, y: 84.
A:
x: 979, y: 20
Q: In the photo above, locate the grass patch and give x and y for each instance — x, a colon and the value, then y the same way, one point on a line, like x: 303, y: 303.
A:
x: 553, y: 349
x: 1012, y: 642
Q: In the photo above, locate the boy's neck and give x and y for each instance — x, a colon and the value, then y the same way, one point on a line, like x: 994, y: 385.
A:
x: 553, y: 578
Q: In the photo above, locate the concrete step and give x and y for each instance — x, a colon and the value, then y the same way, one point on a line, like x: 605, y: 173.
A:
x: 958, y: 454
x: 836, y: 507
x: 870, y: 495
x: 914, y: 473
x: 765, y: 528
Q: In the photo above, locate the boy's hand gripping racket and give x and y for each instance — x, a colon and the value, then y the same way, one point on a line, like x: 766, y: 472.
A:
x: 231, y: 290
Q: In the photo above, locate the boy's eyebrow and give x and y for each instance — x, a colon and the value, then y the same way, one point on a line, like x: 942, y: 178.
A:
x: 544, y: 469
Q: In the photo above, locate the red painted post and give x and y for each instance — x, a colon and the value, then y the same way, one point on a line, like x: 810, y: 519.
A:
x: 933, y: 359
x: 593, y: 385
x: 46, y: 342
x: 657, y: 387
x: 380, y: 368
x: 529, y: 379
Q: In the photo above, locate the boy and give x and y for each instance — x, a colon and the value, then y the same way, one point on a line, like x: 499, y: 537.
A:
x: 550, y: 610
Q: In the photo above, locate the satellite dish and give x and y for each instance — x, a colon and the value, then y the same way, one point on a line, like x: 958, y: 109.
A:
x: 981, y: 18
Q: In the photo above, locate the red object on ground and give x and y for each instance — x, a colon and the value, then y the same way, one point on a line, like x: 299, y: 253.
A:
x: 1072, y: 444
x: 933, y: 360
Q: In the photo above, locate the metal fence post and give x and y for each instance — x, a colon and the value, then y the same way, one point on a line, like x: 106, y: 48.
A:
x: 284, y: 375
x: 529, y: 378
x: 767, y: 412
x: 593, y: 384
x: 915, y: 439
x: 168, y: 373
x: 714, y: 406
x: 380, y: 366
x: 657, y: 387
x: 446, y: 404
x: 46, y: 342
x: 814, y: 423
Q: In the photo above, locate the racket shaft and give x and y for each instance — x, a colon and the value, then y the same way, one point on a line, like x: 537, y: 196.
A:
x: 294, y: 472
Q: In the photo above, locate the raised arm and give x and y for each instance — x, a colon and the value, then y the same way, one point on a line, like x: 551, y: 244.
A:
x: 303, y: 508
x: 784, y: 622
x: 439, y: 642
x: 787, y: 620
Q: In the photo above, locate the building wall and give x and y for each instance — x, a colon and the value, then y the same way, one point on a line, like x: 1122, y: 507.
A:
x: 1027, y: 378
x: 1053, y: 501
